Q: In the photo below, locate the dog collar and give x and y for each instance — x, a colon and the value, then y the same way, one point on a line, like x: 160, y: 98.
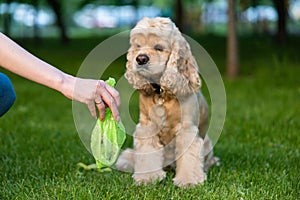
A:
x: 157, y: 88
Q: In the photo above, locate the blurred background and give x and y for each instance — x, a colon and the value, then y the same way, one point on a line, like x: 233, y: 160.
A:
x: 57, y: 18
x: 67, y: 20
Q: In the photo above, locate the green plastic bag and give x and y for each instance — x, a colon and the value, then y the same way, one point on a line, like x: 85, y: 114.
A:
x: 107, y: 138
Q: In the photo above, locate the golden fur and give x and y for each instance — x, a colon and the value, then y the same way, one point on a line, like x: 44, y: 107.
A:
x: 173, y: 113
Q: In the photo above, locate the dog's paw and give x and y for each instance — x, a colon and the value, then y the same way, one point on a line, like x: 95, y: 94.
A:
x: 146, y: 178
x: 186, y: 181
x: 125, y: 161
x: 212, y: 161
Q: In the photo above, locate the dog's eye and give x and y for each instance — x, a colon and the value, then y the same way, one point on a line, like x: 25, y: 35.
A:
x: 158, y: 47
x: 137, y: 46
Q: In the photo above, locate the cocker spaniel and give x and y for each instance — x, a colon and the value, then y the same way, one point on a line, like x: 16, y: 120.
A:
x: 173, y: 112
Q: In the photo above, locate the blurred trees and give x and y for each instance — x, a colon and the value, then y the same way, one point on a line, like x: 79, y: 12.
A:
x: 58, y: 10
x: 181, y: 12
x: 7, y: 19
x: 7, y: 16
x: 55, y: 5
x: 281, y: 7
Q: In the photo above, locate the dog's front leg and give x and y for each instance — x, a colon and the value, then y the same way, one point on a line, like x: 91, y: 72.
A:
x: 148, y: 166
x: 189, y: 164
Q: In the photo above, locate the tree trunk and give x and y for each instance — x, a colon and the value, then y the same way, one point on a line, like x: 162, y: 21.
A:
x: 179, y: 14
x: 232, y: 42
x: 135, y: 4
x: 7, y: 18
x: 36, y: 28
x: 56, y: 7
x: 6, y: 23
x: 281, y: 9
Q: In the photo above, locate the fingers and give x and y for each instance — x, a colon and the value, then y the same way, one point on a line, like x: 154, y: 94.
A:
x: 101, y: 107
x: 114, y: 93
x: 96, y: 94
x: 92, y: 109
x: 110, y: 97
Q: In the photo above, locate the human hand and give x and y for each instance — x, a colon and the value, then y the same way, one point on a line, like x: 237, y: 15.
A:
x: 106, y: 96
x: 94, y: 93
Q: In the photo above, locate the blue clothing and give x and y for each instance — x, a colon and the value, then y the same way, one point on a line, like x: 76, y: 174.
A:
x: 7, y: 94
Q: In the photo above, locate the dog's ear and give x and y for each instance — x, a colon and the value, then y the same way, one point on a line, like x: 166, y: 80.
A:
x: 190, y: 71
x: 181, y: 75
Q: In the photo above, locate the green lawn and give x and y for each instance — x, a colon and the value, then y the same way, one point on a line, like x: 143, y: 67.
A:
x: 259, y: 146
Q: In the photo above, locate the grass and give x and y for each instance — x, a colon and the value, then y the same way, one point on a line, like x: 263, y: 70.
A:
x: 259, y: 146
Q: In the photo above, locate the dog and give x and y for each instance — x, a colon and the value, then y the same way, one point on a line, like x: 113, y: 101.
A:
x: 173, y: 112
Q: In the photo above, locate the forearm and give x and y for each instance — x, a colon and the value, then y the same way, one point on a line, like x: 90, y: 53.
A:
x: 17, y: 60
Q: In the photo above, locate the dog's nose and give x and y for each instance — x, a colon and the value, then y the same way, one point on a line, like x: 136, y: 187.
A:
x: 142, y: 59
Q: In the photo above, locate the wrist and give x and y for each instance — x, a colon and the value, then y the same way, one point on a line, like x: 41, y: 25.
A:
x: 66, y: 85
